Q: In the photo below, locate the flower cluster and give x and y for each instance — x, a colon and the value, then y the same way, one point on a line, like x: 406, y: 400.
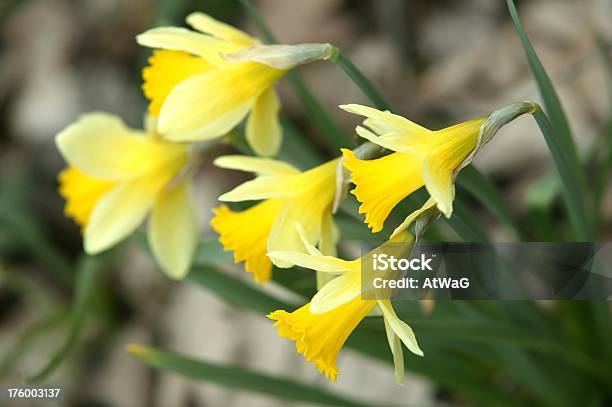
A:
x: 201, y: 85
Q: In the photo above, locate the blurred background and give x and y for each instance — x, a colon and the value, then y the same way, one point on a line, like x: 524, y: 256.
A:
x: 437, y: 62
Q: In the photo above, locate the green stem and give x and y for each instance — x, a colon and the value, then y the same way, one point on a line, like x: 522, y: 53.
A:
x: 572, y: 193
x: 361, y: 81
x: 338, y: 137
x: 263, y: 29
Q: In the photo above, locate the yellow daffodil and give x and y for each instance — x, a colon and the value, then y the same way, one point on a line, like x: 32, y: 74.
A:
x: 116, y: 176
x: 202, y: 84
x: 420, y: 157
x: 321, y: 327
x: 289, y: 196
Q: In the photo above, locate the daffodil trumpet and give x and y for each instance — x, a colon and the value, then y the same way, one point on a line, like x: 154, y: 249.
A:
x: 321, y: 327
x: 419, y: 158
x: 286, y: 196
x: 201, y: 84
x: 116, y: 176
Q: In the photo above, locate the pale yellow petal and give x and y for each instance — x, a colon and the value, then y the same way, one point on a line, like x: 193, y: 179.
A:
x: 186, y: 114
x: 310, y: 248
x: 263, y: 130
x: 383, y: 122
x: 209, y: 105
x: 181, y: 39
x: 336, y: 292
x: 448, y: 150
x: 401, y: 329
x: 284, y: 237
x: 395, y: 345
x: 260, y: 166
x: 173, y: 232
x: 330, y: 235
x: 327, y: 264
x: 439, y: 183
x: 120, y: 212
x: 399, y: 142
x: 382, y: 183
x: 312, y: 196
x: 412, y: 217
x: 100, y: 145
x: 208, y: 25
x: 264, y: 187
x: 167, y: 69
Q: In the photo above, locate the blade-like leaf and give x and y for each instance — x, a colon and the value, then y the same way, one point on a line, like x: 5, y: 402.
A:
x: 572, y: 192
x: 558, y: 136
x: 237, y: 378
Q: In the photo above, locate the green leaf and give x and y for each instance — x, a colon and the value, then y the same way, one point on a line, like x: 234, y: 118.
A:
x: 572, y: 192
x: 361, y: 81
x: 87, y: 276
x: 558, y: 135
x: 481, y: 187
x: 236, y: 377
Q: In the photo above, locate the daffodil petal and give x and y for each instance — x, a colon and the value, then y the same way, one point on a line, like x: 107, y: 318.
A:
x: 210, y: 104
x: 310, y: 248
x: 264, y: 187
x: 412, y: 217
x: 284, y: 237
x: 336, y: 292
x: 181, y: 39
x: 119, y: 213
x: 173, y: 231
x: 383, y: 122
x: 208, y: 25
x: 260, y: 166
x: 401, y: 329
x: 101, y: 146
x: 167, y: 69
x: 312, y: 196
x: 439, y: 183
x: 263, y: 130
x: 329, y: 235
x: 327, y: 264
x: 395, y: 345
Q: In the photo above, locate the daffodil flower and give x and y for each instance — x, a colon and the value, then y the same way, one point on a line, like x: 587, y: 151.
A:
x: 288, y: 196
x: 321, y: 327
x: 116, y: 176
x: 202, y: 84
x: 420, y: 157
